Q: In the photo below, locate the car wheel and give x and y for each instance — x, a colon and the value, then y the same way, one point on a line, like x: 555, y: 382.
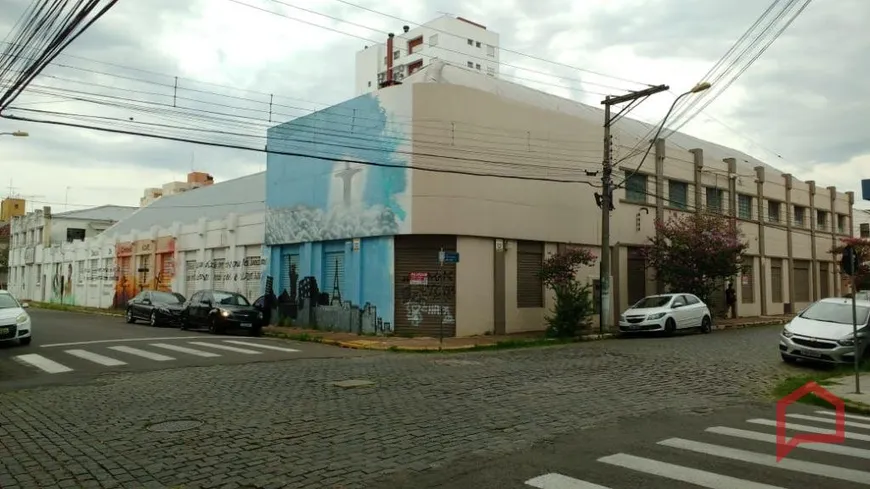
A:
x: 706, y: 325
x: 129, y: 316
x: 670, y: 326
x: 25, y: 341
x: 257, y: 331
x: 788, y: 358
x: 153, y: 320
x: 214, y: 327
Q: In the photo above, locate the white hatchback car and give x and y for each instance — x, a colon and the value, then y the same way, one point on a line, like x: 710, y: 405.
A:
x: 14, y: 320
x: 668, y: 313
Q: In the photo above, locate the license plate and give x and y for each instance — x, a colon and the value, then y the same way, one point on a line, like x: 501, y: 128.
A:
x: 4, y: 331
x: 633, y: 326
x: 246, y: 325
x: 809, y: 353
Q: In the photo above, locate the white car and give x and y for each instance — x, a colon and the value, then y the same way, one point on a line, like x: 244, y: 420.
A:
x: 668, y: 313
x: 823, y: 332
x: 14, y: 320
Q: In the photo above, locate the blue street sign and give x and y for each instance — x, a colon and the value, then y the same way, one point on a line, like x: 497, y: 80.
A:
x: 448, y: 257
x: 865, y: 189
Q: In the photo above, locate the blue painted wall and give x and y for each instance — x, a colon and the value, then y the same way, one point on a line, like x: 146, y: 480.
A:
x: 311, y: 199
x: 368, y: 272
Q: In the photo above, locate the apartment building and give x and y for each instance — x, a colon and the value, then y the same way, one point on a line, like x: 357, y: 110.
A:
x: 454, y: 40
x: 861, y: 227
x: 195, y: 179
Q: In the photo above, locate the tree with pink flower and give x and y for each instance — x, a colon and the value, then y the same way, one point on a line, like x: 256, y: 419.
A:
x: 862, y: 247
x: 573, y: 307
x: 695, y: 253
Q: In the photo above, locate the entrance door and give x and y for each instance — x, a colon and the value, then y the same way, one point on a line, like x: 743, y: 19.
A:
x: 636, y: 271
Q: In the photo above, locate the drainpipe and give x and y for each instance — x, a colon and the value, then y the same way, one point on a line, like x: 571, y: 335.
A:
x: 389, y: 78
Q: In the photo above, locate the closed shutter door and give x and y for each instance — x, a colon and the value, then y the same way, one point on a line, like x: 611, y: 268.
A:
x: 824, y: 286
x: 776, y: 280
x: 419, y: 307
x: 333, y: 275
x: 530, y: 262
x: 636, y: 274
x: 801, y: 281
x: 289, y: 273
x: 189, y: 278
x: 124, y: 269
x: 253, y: 272
x: 167, y: 271
x: 219, y: 270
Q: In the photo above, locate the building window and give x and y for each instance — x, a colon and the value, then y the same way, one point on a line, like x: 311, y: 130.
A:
x: 864, y: 230
x: 477, y: 44
x: 841, y: 223
x: 800, y: 216
x: 396, y: 54
x: 714, y: 199
x: 821, y: 220
x: 530, y: 262
x: 490, y: 50
x: 433, y: 40
x: 678, y: 194
x: 370, y: 84
x: 776, y: 280
x: 471, y: 42
x: 73, y: 234
x: 635, y: 187
x: 470, y: 64
x: 747, y: 282
x: 744, y: 207
x: 477, y: 67
x: 773, y: 211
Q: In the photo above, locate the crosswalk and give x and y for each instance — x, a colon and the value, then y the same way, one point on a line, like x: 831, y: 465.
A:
x: 58, y: 361
x: 746, y: 452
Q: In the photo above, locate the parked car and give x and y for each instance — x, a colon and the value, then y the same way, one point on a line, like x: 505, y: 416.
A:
x: 668, y: 313
x: 14, y: 321
x: 157, y: 307
x: 823, y: 332
x: 221, y: 311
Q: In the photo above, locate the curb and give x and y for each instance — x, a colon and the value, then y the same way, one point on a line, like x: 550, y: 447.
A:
x: 34, y: 305
x: 751, y: 324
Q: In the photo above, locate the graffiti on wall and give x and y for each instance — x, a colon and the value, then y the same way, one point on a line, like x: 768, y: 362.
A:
x: 62, y: 291
x: 143, y: 264
x: 230, y: 270
x: 428, y: 294
x: 349, y: 200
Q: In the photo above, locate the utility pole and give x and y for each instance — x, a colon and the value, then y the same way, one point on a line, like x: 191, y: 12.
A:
x: 606, y: 314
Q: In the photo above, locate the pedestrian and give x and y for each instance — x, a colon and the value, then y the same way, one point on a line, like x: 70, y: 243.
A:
x: 730, y: 301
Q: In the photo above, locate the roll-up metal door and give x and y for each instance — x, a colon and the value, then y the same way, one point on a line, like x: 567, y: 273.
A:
x: 824, y: 277
x: 333, y: 276
x: 253, y: 272
x: 424, y: 292
x: 801, y: 281
x: 189, y: 276
x: 219, y: 269
x: 530, y: 263
x: 289, y: 263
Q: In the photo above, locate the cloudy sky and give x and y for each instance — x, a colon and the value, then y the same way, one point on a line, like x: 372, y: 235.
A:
x: 799, y: 107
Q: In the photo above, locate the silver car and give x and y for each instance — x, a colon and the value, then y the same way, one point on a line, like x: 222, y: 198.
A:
x: 668, y: 313
x: 823, y: 332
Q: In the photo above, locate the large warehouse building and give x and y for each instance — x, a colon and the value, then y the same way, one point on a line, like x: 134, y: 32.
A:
x: 370, y: 232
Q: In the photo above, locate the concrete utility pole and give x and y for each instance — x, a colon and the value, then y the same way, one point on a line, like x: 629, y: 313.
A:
x: 606, y: 315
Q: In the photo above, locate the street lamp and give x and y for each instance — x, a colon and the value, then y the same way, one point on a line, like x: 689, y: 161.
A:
x: 17, y: 134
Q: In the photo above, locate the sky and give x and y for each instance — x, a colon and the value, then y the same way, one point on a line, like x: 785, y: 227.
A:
x: 799, y: 107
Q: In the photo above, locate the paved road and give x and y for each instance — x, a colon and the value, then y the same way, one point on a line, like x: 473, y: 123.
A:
x: 731, y: 448
x: 284, y: 424
x: 70, y: 347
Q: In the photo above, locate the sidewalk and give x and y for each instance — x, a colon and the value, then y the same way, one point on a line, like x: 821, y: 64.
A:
x: 487, y: 342
x: 844, y: 388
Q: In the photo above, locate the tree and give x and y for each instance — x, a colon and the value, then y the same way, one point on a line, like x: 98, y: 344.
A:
x: 693, y: 253
x: 573, y: 306
x: 862, y: 246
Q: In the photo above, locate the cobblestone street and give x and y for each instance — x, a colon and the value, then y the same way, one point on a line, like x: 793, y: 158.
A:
x: 282, y: 424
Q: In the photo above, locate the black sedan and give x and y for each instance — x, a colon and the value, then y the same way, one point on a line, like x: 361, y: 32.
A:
x: 157, y: 307
x: 221, y: 311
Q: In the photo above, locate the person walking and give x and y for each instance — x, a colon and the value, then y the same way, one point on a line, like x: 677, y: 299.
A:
x: 730, y: 301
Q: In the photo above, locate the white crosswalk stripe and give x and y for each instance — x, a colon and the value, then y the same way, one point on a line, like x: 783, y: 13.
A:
x: 225, y: 347
x: 726, y: 440
x: 105, y: 354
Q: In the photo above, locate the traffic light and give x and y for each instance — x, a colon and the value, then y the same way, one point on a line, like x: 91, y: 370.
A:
x: 851, y: 260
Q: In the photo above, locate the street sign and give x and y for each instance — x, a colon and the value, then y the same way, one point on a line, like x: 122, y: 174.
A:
x: 448, y: 257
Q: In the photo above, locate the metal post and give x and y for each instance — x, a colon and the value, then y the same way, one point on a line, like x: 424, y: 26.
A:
x: 441, y: 301
x: 854, y: 280
x: 606, y: 196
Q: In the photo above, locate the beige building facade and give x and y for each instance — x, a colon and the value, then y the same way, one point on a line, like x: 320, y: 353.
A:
x: 470, y: 128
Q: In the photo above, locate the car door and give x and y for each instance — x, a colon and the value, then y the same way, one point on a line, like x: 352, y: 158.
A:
x: 204, y: 307
x: 190, y: 308
x: 133, y: 305
x: 145, y: 305
x: 679, y: 311
x: 695, y: 311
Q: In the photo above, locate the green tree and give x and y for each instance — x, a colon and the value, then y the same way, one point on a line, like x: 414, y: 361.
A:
x: 694, y: 253
x: 573, y: 306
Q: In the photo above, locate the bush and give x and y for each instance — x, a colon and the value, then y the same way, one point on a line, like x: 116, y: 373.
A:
x: 572, y: 310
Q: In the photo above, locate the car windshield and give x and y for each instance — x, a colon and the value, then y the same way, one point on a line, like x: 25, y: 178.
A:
x: 836, y: 312
x: 8, y: 302
x: 166, y: 298
x: 652, y: 301
x: 230, y: 299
